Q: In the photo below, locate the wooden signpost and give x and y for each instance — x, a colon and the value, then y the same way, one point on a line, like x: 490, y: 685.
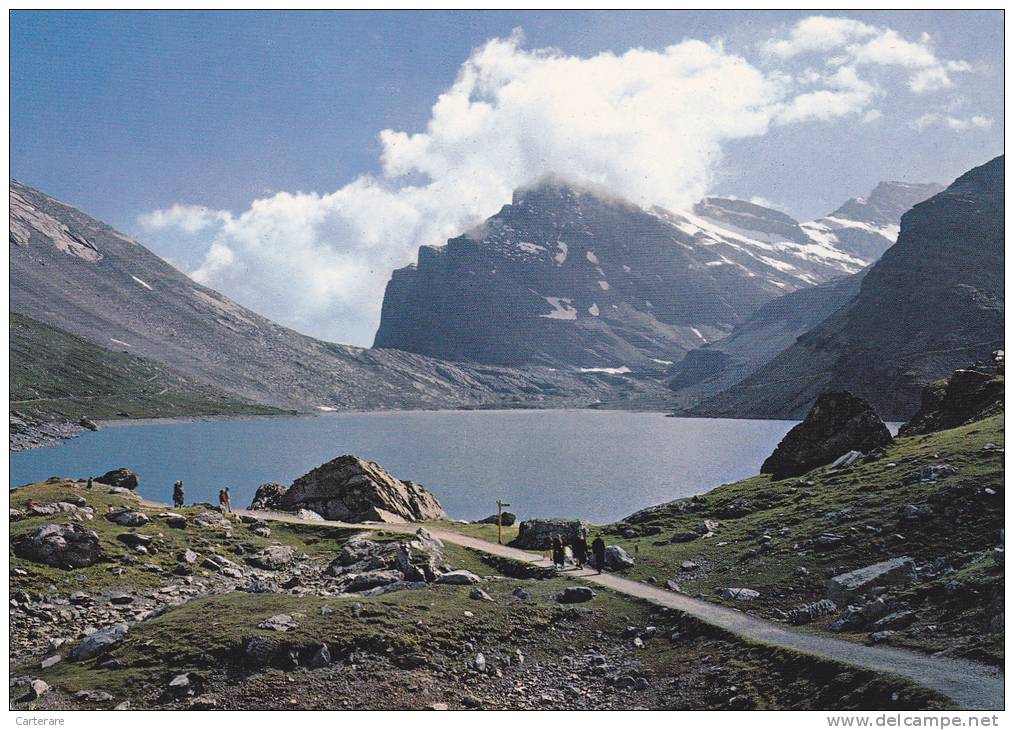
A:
x: 500, y: 504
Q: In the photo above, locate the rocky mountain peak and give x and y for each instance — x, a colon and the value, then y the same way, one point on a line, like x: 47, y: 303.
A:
x: 887, y: 202
x: 555, y: 191
x: 568, y: 275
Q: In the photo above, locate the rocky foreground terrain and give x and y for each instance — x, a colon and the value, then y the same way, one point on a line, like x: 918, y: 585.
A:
x: 118, y: 603
x: 193, y: 609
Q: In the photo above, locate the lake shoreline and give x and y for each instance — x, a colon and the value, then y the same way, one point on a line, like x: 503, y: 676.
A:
x: 44, y: 438
x: 598, y: 464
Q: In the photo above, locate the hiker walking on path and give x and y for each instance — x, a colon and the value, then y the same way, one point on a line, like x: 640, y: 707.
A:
x: 558, y: 554
x: 178, y: 494
x: 580, y: 547
x: 224, y: 503
x: 599, y: 551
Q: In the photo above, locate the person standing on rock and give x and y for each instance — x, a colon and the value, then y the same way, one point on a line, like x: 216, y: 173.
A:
x: 599, y: 551
x: 558, y: 554
x: 580, y: 546
x: 223, y: 501
x: 228, y: 501
x: 89, y: 485
x: 178, y: 494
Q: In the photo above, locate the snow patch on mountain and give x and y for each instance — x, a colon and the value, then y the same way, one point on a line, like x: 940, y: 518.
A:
x: 562, y: 309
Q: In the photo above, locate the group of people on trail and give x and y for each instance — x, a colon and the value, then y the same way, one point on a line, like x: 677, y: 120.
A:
x: 224, y: 501
x: 579, y: 548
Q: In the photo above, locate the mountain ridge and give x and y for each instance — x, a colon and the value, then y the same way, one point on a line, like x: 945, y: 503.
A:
x: 80, y: 275
x: 926, y: 308
x: 572, y: 277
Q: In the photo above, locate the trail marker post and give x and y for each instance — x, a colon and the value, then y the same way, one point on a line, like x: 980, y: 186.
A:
x: 500, y: 504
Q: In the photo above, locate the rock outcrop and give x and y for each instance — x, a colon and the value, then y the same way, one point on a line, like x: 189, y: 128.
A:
x: 122, y: 477
x: 968, y: 395
x: 538, y: 534
x: 60, y: 546
x: 365, y: 564
x: 837, y: 423
x: 98, y: 643
x: 353, y: 490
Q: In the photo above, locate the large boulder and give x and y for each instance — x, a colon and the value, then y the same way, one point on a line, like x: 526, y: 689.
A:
x: 967, y: 395
x: 60, y: 546
x: 837, y: 423
x: 459, y: 578
x: 617, y: 558
x: 268, y: 497
x: 122, y: 477
x: 575, y: 594
x: 538, y: 534
x: 273, y: 557
x: 506, y: 519
x: 98, y: 643
x: 845, y: 588
x: 354, y: 490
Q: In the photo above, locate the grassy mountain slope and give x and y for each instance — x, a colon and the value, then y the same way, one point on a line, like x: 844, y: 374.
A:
x: 55, y: 375
x: 767, y: 529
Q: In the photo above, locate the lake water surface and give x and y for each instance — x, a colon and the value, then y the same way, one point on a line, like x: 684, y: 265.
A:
x: 598, y: 465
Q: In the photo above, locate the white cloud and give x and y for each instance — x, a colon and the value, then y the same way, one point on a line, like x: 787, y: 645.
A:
x: 855, y: 43
x: 817, y: 34
x: 958, y: 124
x: 187, y: 218
x: 647, y: 125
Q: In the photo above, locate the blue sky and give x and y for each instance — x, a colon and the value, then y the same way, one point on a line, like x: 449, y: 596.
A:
x: 126, y: 113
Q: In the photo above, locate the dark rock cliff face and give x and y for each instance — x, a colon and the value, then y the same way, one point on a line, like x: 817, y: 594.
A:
x: 837, y: 423
x: 968, y: 395
x: 78, y: 274
x: 567, y: 277
x: 932, y: 303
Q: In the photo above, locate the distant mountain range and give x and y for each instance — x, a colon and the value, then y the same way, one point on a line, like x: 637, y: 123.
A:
x: 566, y: 297
x: 81, y: 276
x: 772, y: 328
x: 574, y: 278
x: 934, y: 302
